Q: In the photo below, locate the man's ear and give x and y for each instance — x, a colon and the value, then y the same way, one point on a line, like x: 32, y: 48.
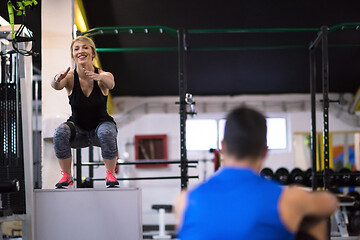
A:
x: 264, y: 152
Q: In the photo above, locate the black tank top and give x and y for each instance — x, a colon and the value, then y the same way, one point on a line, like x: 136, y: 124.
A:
x: 88, y: 112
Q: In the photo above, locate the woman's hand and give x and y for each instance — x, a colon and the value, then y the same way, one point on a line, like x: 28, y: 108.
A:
x: 60, y: 80
x: 60, y: 76
x: 92, y: 75
x: 105, y: 78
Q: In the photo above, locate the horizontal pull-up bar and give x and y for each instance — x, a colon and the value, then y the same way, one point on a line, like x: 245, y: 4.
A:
x: 221, y: 48
x: 141, y: 49
x: 173, y: 32
x: 139, y: 162
x: 232, y: 48
x: 251, y: 30
x: 343, y: 26
x: 143, y: 178
x: 130, y: 30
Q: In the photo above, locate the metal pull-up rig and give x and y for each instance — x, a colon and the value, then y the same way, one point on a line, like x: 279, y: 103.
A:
x: 183, y: 48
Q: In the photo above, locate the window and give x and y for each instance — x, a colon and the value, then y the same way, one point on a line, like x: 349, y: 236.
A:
x: 201, y: 134
x: 276, y: 133
x: 221, y: 130
x: 204, y: 134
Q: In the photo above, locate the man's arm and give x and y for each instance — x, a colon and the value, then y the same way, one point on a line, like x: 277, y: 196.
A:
x: 304, y: 210
x: 321, y: 204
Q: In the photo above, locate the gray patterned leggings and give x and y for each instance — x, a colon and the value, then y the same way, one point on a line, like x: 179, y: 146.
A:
x: 104, y: 136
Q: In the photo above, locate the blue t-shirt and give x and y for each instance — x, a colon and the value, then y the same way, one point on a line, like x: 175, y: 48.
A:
x: 236, y: 203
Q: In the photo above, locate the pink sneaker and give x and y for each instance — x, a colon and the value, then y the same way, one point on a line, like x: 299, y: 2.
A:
x: 111, y: 179
x: 65, y: 182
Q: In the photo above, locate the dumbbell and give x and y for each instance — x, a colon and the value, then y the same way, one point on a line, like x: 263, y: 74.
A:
x: 332, y: 177
x: 344, y: 177
x: 297, y: 176
x: 282, y: 175
x: 308, y: 177
x: 267, y: 173
x: 355, y: 178
x: 319, y: 178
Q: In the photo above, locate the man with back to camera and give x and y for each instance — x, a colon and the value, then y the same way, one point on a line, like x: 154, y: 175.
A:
x: 237, y: 203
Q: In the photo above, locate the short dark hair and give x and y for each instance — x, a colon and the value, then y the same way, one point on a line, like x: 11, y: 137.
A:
x: 245, y: 133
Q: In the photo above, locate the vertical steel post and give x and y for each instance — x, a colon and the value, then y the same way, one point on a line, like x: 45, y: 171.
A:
x: 15, y: 78
x: 325, y: 87
x: 91, y: 159
x: 182, y: 108
x: 78, y: 168
x: 313, y: 115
